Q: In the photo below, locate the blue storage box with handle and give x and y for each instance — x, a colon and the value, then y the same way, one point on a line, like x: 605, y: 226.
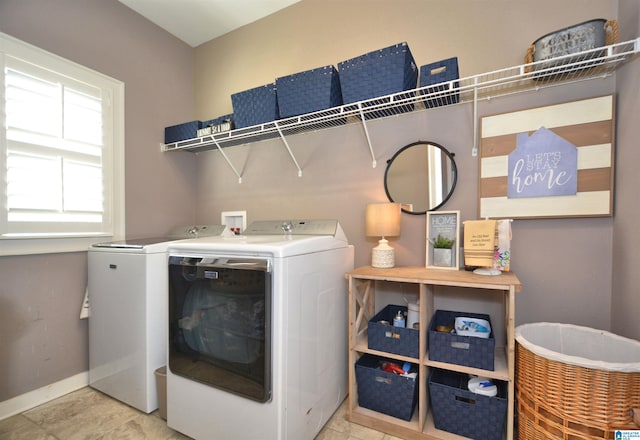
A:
x: 439, y: 75
x: 383, y: 336
x: 379, y: 73
x: 255, y: 106
x: 460, y: 411
x: 308, y: 92
x: 470, y: 351
x: 387, y: 393
x: 181, y: 132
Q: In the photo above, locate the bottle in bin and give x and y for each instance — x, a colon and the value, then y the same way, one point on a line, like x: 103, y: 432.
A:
x: 398, y: 320
x: 407, y: 369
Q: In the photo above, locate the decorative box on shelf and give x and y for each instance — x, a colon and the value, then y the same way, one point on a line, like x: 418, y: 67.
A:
x: 255, y: 106
x: 470, y: 351
x: 463, y: 412
x: 385, y: 392
x: 309, y: 91
x: 581, y: 38
x: 383, y: 336
x: 377, y: 74
x: 181, y: 132
x: 439, y: 75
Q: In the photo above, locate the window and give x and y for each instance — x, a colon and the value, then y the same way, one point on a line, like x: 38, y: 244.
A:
x: 61, y: 153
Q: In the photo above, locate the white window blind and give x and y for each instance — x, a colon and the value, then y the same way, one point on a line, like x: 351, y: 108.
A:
x: 58, y: 151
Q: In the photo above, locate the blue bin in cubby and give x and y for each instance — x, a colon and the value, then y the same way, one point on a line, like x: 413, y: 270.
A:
x: 379, y: 73
x: 460, y: 411
x: 470, y: 351
x: 387, y: 393
x: 435, y: 74
x: 309, y: 91
x: 255, y: 106
x: 397, y: 340
x: 181, y: 132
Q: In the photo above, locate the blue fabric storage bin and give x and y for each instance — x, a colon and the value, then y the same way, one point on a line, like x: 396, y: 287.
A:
x: 384, y: 392
x: 378, y: 73
x: 470, y: 351
x: 396, y: 340
x: 308, y: 92
x: 255, y: 106
x: 460, y: 411
x: 181, y: 132
x: 436, y: 73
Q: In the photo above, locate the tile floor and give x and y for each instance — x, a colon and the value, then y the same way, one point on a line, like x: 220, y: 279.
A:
x: 88, y: 414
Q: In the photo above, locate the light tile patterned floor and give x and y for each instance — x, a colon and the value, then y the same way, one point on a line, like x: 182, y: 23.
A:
x: 87, y: 414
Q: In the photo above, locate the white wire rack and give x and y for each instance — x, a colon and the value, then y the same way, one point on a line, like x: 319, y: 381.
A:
x: 590, y: 64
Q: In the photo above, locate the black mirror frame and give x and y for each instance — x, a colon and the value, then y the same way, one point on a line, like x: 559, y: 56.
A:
x: 454, y: 170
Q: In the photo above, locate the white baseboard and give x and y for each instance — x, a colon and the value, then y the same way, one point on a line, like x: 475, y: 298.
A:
x: 29, y: 400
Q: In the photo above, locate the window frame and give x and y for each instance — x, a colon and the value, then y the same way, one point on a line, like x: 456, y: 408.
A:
x: 113, y: 168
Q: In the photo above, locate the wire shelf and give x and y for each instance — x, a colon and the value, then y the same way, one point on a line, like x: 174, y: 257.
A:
x: 590, y: 64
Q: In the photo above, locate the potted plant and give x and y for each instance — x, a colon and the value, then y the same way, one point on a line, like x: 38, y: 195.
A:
x: 442, y: 251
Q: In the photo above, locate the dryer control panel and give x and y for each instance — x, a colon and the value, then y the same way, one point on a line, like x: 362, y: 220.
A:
x: 293, y: 227
x: 197, y: 231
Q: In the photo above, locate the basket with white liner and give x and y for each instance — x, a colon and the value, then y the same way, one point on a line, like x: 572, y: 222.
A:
x: 575, y: 382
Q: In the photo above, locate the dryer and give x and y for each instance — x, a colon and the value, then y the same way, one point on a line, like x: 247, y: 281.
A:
x: 258, y: 337
x: 127, y: 285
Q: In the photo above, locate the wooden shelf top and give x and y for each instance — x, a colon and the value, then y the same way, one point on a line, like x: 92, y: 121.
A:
x: 440, y: 277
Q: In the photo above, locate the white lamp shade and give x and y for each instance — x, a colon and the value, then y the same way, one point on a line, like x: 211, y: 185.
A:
x: 383, y: 219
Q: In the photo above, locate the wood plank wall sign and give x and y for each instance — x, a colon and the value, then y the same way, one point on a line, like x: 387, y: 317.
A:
x: 548, y: 162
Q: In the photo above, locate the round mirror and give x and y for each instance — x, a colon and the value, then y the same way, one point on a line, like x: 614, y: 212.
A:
x: 421, y: 177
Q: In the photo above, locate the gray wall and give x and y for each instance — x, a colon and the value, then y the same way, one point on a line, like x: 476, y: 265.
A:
x: 565, y: 265
x: 42, y: 340
x: 626, y: 239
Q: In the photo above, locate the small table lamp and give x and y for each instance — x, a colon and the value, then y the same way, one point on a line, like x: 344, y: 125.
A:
x: 383, y: 220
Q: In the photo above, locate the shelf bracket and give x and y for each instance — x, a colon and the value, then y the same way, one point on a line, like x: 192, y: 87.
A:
x: 286, y: 144
x: 474, y: 151
x: 366, y: 133
x: 227, y: 159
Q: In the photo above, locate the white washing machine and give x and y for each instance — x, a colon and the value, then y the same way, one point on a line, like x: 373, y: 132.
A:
x: 258, y: 335
x: 128, y: 314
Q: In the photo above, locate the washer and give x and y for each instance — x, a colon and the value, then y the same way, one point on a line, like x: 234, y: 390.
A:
x: 258, y: 336
x: 128, y: 314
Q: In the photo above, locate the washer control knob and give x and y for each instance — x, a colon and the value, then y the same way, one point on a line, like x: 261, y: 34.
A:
x: 287, y: 226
